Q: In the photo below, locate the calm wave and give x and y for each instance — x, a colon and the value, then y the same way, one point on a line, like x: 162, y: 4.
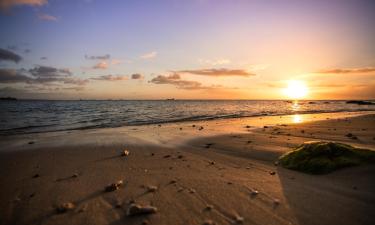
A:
x: 19, y: 117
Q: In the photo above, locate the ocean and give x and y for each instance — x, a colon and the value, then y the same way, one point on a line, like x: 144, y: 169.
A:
x: 29, y: 116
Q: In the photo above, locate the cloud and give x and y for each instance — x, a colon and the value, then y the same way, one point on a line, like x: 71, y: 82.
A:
x: 175, y: 79
x: 345, y: 71
x: 219, y: 72
x: 6, y: 4
x: 101, y: 65
x: 149, y: 55
x: 43, y: 58
x: 47, y: 17
x: 137, y: 76
x: 40, y: 75
x: 214, y: 62
x: 13, y: 76
x: 111, y: 78
x: 6, y: 55
x: 98, y: 57
x: 49, y: 72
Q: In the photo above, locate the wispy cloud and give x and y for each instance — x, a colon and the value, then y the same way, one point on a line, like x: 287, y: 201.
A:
x: 110, y: 77
x: 137, y: 76
x: 43, y: 16
x: 175, y: 79
x: 101, y: 65
x: 98, y: 57
x: 40, y: 75
x: 6, y: 4
x: 149, y: 55
x: 344, y: 71
x: 219, y: 72
x: 6, y: 55
x: 214, y: 62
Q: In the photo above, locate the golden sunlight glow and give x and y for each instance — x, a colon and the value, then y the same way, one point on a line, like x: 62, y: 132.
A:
x: 296, y: 89
x: 297, y: 118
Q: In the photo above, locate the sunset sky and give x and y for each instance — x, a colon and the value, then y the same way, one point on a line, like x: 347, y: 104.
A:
x: 186, y: 49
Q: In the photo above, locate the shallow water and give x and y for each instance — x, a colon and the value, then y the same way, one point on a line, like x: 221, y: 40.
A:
x: 43, y: 116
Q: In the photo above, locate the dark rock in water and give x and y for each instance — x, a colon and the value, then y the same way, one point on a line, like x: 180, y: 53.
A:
x: 65, y: 207
x: 324, y: 157
x: 135, y: 209
x: 358, y: 102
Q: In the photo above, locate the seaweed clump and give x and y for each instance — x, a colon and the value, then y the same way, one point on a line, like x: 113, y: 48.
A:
x: 324, y: 157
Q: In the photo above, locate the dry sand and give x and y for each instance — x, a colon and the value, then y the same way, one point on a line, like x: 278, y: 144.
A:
x: 223, y: 174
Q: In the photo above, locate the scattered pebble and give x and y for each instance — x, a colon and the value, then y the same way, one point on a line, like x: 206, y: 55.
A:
x: 191, y: 191
x: 265, y: 126
x: 75, y: 175
x: 36, y: 175
x: 208, y: 222
x: 145, y: 222
x: 247, y: 126
x: 276, y: 202
x: 349, y: 135
x: 125, y: 153
x: 173, y: 181
x: 65, y: 207
x: 180, y: 156
x: 152, y: 188
x: 135, y: 209
x: 166, y: 156
x: 302, y: 131
x: 193, y: 125
x: 254, y: 192
x: 201, y: 128
x: 212, y: 163
x: 31, y: 142
x: 238, y: 219
x: 272, y: 172
x: 209, y: 207
x: 114, y: 186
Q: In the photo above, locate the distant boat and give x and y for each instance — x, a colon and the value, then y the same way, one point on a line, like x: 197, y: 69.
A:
x: 170, y: 99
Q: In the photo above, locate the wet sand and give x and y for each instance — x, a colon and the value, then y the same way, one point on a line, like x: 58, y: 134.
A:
x: 205, y: 172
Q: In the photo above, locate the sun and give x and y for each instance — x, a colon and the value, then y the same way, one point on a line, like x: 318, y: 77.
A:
x: 296, y: 89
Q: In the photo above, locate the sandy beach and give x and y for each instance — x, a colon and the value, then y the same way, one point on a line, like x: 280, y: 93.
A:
x: 206, y: 172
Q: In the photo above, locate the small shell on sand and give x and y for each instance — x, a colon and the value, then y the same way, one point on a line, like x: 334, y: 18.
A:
x: 65, y: 207
x: 135, y: 209
x: 114, y: 186
x: 125, y: 153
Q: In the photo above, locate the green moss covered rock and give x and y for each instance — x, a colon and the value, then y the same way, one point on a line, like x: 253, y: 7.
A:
x: 324, y: 157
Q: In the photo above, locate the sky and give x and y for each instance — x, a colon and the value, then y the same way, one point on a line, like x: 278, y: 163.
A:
x: 187, y: 49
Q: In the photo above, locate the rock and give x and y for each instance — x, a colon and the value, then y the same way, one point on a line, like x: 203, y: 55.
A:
x: 254, y: 192
x: 125, y: 153
x: 349, y: 135
x: 212, y: 163
x: 65, y: 207
x: 209, y: 207
x: 247, y: 126
x: 36, y: 175
x: 114, y: 186
x: 75, y: 175
x: 166, y: 156
x: 152, y: 188
x: 191, y: 191
x: 201, y: 128
x: 276, y: 202
x: 136, y: 209
x: 272, y: 172
x: 180, y: 156
x: 238, y: 219
x: 31, y: 142
x: 208, y: 222
x: 173, y: 181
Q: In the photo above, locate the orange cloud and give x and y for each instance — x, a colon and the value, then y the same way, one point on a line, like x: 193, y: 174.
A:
x: 219, y: 72
x: 343, y: 71
x: 6, y: 4
x: 101, y: 65
x: 47, y: 17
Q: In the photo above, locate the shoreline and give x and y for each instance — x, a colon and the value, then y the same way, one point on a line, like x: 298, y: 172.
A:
x: 197, y: 175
